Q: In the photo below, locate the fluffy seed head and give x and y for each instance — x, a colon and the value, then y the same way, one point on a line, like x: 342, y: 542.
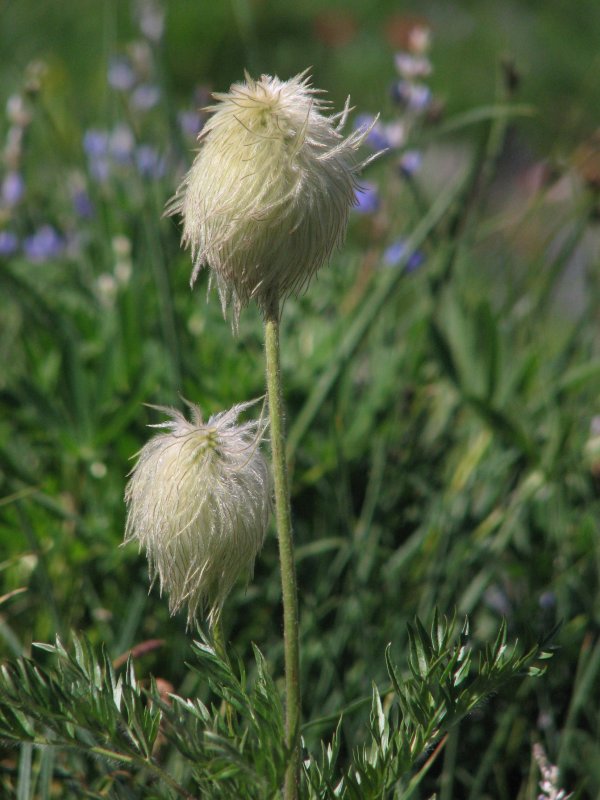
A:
x: 198, y: 502
x: 268, y: 195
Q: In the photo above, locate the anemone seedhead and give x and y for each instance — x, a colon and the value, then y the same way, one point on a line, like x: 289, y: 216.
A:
x: 198, y: 502
x: 268, y: 195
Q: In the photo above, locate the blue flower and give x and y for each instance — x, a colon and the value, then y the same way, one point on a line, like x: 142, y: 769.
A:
x: 414, y: 96
x: 396, y: 252
x: 376, y: 139
x: 410, y: 162
x: 547, y: 600
x: 190, y: 123
x: 149, y: 162
x: 44, y: 245
x: 151, y: 20
x: 8, y: 243
x: 100, y: 169
x: 120, y: 74
x: 13, y: 188
x: 412, y: 66
x: 145, y: 97
x: 95, y: 143
x: 122, y: 144
x: 82, y: 204
x: 367, y: 198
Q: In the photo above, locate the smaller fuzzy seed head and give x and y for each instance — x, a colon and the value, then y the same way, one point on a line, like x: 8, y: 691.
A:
x: 198, y: 502
x: 268, y: 195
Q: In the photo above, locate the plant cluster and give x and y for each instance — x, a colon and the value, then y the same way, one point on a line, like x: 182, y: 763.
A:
x: 441, y: 384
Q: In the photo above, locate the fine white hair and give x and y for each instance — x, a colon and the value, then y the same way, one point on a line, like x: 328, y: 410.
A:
x: 268, y: 196
x: 198, y: 502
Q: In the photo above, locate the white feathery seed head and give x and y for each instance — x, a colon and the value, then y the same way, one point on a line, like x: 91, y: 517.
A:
x: 268, y: 195
x: 198, y: 502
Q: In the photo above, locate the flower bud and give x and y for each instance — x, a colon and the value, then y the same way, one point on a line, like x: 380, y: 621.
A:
x: 267, y: 197
x: 198, y: 502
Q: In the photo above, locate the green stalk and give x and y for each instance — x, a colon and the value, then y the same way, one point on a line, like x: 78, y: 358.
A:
x: 286, y: 555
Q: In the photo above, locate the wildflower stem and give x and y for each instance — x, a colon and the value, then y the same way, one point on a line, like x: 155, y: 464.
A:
x: 286, y: 554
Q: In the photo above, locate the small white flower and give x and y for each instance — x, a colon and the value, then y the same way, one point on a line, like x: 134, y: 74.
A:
x: 268, y: 195
x: 198, y: 502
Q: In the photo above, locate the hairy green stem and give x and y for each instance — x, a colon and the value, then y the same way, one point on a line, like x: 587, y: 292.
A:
x: 286, y: 555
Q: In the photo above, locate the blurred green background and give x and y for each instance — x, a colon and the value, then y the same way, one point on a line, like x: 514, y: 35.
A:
x: 446, y: 438
x: 348, y: 45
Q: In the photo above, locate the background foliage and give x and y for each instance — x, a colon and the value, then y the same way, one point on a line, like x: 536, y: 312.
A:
x: 443, y: 420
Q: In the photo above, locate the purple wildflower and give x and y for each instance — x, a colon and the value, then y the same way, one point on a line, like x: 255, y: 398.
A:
x: 396, y: 252
x: 151, y: 20
x: 547, y: 600
x: 190, y: 123
x: 497, y: 599
x: 95, y: 143
x: 411, y: 66
x: 100, y: 168
x: 82, y: 204
x: 145, y: 97
x: 367, y: 198
x: 120, y: 74
x: 149, y: 162
x: 8, y: 243
x: 410, y: 162
x: 44, y: 245
x: 122, y: 144
x: 414, y: 96
x: 13, y: 188
x: 395, y: 133
x: 376, y: 139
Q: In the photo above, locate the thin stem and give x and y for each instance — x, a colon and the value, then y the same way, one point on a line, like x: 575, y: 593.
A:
x: 286, y: 555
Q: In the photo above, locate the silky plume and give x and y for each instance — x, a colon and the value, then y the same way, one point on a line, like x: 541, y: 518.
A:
x: 198, y: 502
x: 268, y: 195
